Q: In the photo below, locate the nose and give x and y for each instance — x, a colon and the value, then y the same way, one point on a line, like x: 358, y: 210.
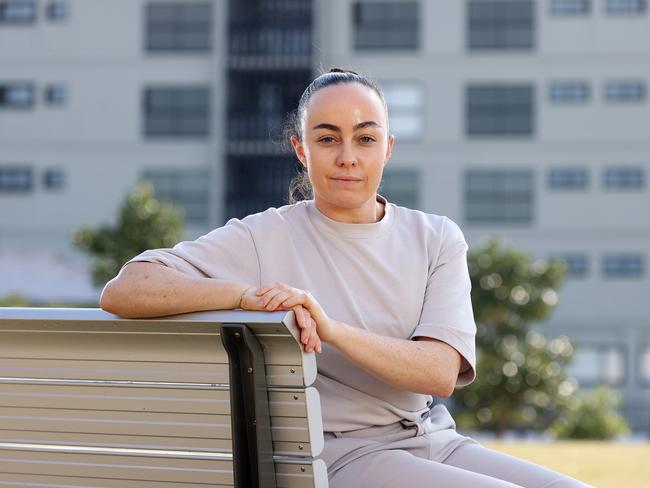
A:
x: 346, y: 156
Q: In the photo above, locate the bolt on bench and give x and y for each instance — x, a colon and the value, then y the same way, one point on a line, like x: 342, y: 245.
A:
x: 206, y: 399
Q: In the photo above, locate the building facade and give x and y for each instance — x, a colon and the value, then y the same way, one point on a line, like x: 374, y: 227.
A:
x: 525, y: 119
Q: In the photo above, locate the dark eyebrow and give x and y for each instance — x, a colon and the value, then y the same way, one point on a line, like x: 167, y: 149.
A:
x: 335, y: 128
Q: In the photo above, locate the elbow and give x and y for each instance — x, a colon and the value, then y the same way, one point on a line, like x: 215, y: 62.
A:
x: 448, y: 389
x: 443, y: 389
x: 115, y: 299
x: 108, y: 301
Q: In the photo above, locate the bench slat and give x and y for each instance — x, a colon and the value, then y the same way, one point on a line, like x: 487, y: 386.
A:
x: 187, y: 415
x: 47, y: 481
x: 26, y: 466
x: 125, y: 346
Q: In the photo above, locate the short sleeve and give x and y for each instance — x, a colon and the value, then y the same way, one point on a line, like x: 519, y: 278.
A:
x: 447, y: 313
x: 227, y: 253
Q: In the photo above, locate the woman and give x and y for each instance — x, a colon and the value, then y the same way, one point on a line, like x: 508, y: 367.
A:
x: 380, y: 291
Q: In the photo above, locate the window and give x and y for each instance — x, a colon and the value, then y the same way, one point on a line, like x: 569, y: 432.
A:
x: 626, y: 6
x: 16, y: 95
x: 644, y: 364
x: 401, y: 187
x: 57, y: 11
x: 625, y: 91
x: 495, y: 110
x: 570, y: 7
x: 187, y: 188
x: 177, y: 111
x: 500, y: 25
x: 56, y: 94
x: 499, y: 196
x: 577, y: 265
x: 278, y: 28
x: 255, y: 183
x: 17, y: 12
x: 15, y: 179
x: 405, y: 106
x: 623, y: 266
x: 386, y: 25
x: 596, y: 364
x: 569, y: 92
x: 54, y: 179
x: 567, y: 178
x: 185, y: 27
x: 624, y: 178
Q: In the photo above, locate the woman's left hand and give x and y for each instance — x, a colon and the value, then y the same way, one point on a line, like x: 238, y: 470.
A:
x: 279, y: 296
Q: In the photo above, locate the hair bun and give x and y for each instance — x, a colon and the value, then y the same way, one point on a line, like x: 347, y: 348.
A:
x: 341, y: 70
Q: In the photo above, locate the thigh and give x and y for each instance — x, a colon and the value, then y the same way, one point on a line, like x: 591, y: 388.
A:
x: 480, y: 459
x: 397, y: 469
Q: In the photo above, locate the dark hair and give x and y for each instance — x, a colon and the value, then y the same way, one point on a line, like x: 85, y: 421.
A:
x: 300, y: 186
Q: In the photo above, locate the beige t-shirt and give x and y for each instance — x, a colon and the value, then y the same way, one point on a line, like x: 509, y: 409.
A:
x: 404, y: 276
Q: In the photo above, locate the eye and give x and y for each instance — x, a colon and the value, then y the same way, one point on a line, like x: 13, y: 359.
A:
x: 367, y: 139
x: 326, y: 139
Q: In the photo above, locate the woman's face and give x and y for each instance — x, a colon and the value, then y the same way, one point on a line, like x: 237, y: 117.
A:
x: 345, y: 146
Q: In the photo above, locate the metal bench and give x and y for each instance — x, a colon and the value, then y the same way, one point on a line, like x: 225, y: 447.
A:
x: 201, y: 399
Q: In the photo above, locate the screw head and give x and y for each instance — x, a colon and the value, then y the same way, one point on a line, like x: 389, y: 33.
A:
x: 250, y: 370
x: 303, y: 469
x: 237, y: 335
x: 292, y: 371
x: 300, y: 447
x: 295, y: 397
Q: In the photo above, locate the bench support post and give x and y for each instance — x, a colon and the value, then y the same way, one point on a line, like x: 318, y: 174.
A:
x: 249, y: 409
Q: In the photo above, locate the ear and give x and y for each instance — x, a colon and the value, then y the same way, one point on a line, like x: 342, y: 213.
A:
x: 389, y: 149
x: 299, y: 150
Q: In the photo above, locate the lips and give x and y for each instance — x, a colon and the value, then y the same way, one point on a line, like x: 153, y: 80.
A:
x: 350, y: 179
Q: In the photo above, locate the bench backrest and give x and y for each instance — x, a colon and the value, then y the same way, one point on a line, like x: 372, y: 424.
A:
x: 89, y: 399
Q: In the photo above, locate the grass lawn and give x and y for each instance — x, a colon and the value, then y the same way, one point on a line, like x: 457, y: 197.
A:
x: 601, y: 464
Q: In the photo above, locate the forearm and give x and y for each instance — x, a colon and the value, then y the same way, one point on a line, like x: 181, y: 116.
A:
x: 428, y: 367
x: 153, y: 290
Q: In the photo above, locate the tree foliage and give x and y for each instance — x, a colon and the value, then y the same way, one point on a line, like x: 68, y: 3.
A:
x: 14, y: 300
x: 520, y: 380
x: 591, y: 416
x: 143, y: 223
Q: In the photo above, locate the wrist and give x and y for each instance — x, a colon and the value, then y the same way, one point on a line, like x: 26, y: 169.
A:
x: 337, y: 333
x: 241, y: 291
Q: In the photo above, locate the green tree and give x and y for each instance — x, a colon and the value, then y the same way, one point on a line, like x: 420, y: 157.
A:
x: 591, y: 416
x: 143, y: 223
x: 14, y: 300
x: 520, y: 380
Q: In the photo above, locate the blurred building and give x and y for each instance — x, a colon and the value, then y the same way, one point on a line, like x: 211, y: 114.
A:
x: 518, y: 118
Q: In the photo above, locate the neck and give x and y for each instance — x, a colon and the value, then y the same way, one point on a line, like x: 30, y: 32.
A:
x: 370, y: 212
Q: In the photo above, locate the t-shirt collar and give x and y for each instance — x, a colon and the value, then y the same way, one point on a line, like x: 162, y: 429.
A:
x: 345, y: 229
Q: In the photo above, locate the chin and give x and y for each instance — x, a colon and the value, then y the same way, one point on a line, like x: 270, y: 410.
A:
x: 348, y: 201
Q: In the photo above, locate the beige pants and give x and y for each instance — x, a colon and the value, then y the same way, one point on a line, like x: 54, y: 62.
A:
x: 397, y: 456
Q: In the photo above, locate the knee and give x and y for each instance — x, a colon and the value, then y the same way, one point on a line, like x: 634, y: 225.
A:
x: 566, y: 482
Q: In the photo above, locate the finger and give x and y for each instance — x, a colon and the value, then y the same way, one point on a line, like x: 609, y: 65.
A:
x: 268, y: 296
x: 310, y: 339
x: 277, y: 300
x: 313, y: 336
x: 300, y: 320
x: 306, y: 328
x: 296, y: 299
x: 261, y: 291
x: 319, y: 346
